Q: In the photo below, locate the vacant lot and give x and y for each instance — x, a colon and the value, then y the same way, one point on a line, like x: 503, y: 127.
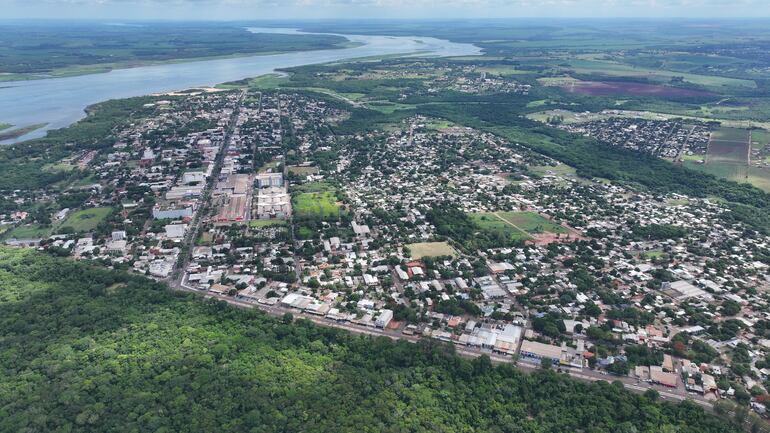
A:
x: 86, y: 219
x: 431, y: 249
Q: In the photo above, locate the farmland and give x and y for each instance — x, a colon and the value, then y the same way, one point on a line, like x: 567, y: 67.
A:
x: 601, y: 88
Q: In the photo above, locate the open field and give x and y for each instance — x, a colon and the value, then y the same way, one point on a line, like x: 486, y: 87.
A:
x: 730, y: 134
x: 267, y: 223
x: 532, y: 222
x: 488, y: 221
x: 86, y: 219
x: 431, y: 249
x: 610, y: 88
x: 571, y: 117
x: 316, y: 204
x: 29, y: 232
x: 316, y: 200
x: 615, y: 69
x: 549, y: 170
x: 59, y: 167
x: 388, y: 107
x: 4, y: 126
x: 268, y: 166
x: 303, y: 170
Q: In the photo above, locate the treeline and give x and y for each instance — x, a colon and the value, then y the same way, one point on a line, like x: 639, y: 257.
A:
x: 90, y: 350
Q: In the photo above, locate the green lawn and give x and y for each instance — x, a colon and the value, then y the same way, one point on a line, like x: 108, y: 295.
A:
x: 85, y: 220
x: 431, y: 249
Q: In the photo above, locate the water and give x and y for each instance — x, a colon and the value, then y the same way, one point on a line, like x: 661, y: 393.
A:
x: 61, y: 101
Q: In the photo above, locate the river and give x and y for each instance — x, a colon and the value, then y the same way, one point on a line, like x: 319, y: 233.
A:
x: 60, y: 102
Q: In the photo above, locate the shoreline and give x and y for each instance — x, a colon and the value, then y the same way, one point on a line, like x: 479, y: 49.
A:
x: 103, y: 68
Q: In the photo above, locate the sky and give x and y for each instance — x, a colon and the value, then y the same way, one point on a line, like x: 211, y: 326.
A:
x: 346, y: 9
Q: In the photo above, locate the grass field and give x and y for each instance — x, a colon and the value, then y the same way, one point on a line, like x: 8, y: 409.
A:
x: 267, y: 223
x: 303, y: 170
x: 431, y: 249
x: 389, y: 107
x: 615, y: 69
x: 4, y: 126
x: 85, y: 220
x: 730, y: 134
x: 316, y: 200
x: 272, y: 165
x: 29, y: 232
x: 532, y: 222
x: 59, y: 167
x: 490, y: 223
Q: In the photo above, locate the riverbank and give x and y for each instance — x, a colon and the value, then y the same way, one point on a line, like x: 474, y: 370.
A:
x: 102, y: 68
x: 18, y: 132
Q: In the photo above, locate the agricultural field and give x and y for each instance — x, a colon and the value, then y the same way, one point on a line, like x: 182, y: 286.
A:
x: 85, y: 220
x: 608, y: 88
x: 431, y: 249
x: 614, y: 69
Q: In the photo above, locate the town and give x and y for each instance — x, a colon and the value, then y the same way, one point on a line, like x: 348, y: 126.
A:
x: 427, y: 229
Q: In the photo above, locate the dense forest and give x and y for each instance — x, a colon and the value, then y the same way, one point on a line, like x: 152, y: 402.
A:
x: 92, y: 350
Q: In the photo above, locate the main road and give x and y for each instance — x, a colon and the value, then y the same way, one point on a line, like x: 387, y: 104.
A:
x: 631, y: 384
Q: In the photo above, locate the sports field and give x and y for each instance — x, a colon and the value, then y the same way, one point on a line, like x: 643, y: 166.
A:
x: 431, y: 249
x: 85, y: 220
